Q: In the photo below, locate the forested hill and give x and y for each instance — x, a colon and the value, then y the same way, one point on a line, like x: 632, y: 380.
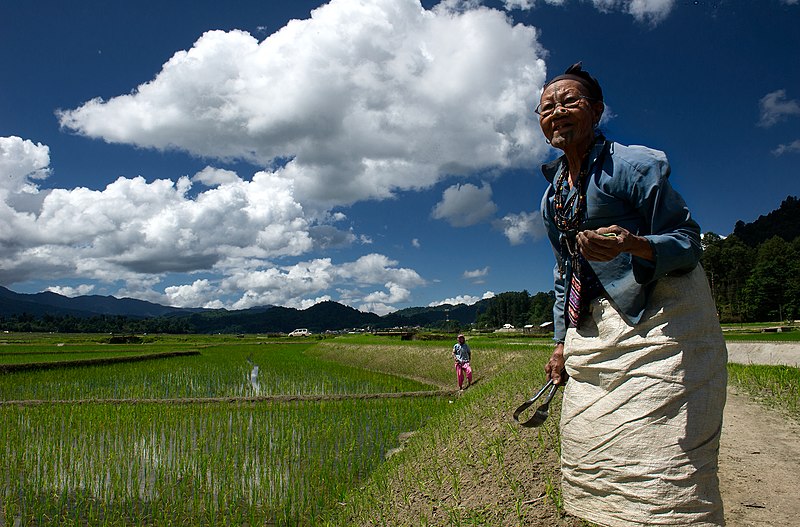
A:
x: 755, y: 272
x: 23, y: 313
x: 783, y: 222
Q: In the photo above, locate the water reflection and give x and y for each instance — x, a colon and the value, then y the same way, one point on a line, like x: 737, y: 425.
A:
x: 254, y: 380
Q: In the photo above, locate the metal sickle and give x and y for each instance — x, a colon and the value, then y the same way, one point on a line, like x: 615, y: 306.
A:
x: 541, y: 413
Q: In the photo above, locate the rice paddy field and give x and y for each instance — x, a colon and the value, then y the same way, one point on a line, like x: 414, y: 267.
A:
x: 352, y: 430
x: 245, y: 432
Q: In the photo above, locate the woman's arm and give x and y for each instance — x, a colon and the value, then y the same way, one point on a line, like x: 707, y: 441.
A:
x: 559, y: 322
x: 668, y: 239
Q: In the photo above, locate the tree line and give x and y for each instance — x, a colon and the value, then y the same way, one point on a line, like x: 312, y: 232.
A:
x: 751, y: 284
x: 518, y: 309
x: 48, y: 323
x: 754, y: 273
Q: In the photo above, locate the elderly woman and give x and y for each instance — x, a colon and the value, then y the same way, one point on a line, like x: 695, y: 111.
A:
x: 638, y: 343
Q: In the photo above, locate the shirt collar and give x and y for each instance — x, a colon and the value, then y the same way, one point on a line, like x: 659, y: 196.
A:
x: 551, y: 169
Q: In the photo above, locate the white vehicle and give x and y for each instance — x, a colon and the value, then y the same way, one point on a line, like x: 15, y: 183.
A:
x: 300, y: 332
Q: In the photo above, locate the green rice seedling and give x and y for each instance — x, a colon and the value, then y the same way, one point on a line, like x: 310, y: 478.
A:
x: 28, y: 356
x: 206, y: 463
x: 259, y: 462
x: 754, y: 332
x: 446, y: 441
x: 225, y: 370
x: 429, y: 362
x: 196, y: 464
x: 775, y: 386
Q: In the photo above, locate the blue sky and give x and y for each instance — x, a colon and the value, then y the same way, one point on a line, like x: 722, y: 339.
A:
x: 378, y: 153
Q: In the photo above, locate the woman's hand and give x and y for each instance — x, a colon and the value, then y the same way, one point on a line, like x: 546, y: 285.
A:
x: 555, y: 366
x: 606, y: 243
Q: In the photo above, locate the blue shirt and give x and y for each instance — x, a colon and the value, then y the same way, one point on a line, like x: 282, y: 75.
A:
x: 630, y: 189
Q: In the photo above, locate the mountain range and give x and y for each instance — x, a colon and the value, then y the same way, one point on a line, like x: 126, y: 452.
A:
x: 320, y: 317
x: 70, y: 314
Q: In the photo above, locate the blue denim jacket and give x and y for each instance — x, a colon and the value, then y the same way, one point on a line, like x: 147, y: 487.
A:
x: 631, y: 190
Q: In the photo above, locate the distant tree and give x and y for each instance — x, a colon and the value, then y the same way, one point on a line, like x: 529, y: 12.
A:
x: 541, y: 308
x: 782, y: 222
x: 518, y: 308
x: 772, y: 289
x: 507, y: 308
x: 727, y: 263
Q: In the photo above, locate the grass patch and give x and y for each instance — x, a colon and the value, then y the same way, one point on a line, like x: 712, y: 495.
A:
x: 215, y: 464
x: 221, y: 370
x: 472, y: 465
x: 784, y: 336
x: 153, y: 463
x: 775, y: 386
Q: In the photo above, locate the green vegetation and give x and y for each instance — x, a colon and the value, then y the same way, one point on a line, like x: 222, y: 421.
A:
x: 755, y: 273
x: 193, y: 464
x: 26, y: 322
x: 65, y: 356
x: 221, y: 370
x: 761, y: 332
x: 205, y: 463
x: 789, y: 336
x: 442, y: 476
x: 517, y: 309
x: 774, y: 386
x: 309, y: 461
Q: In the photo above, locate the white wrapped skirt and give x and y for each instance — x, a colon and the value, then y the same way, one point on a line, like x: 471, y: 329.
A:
x: 642, y: 411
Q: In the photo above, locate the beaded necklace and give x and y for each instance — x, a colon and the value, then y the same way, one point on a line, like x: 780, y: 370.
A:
x: 569, y: 208
x: 568, y: 215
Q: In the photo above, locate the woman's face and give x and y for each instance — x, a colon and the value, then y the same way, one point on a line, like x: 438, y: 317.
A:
x: 565, y: 127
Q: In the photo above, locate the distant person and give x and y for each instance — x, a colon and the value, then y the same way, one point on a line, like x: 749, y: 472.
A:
x: 462, y: 355
x: 636, y: 329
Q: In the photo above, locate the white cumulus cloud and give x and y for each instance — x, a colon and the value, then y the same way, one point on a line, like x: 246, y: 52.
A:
x: 279, y: 285
x: 21, y: 161
x: 394, y: 293
x: 199, y: 293
x: 83, y: 289
x: 651, y: 11
x: 519, y: 227
x: 792, y: 147
x: 477, y: 273
x: 775, y: 107
x: 211, y: 177
x: 465, y: 205
x: 356, y: 102
x: 133, y: 228
x: 463, y: 299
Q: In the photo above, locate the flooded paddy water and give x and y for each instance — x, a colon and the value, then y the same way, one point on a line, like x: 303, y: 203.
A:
x: 205, y: 462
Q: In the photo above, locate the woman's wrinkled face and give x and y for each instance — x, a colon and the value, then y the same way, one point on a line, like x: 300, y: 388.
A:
x: 573, y: 117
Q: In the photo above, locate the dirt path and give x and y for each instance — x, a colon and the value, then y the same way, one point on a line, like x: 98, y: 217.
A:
x: 787, y: 353
x: 760, y: 450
